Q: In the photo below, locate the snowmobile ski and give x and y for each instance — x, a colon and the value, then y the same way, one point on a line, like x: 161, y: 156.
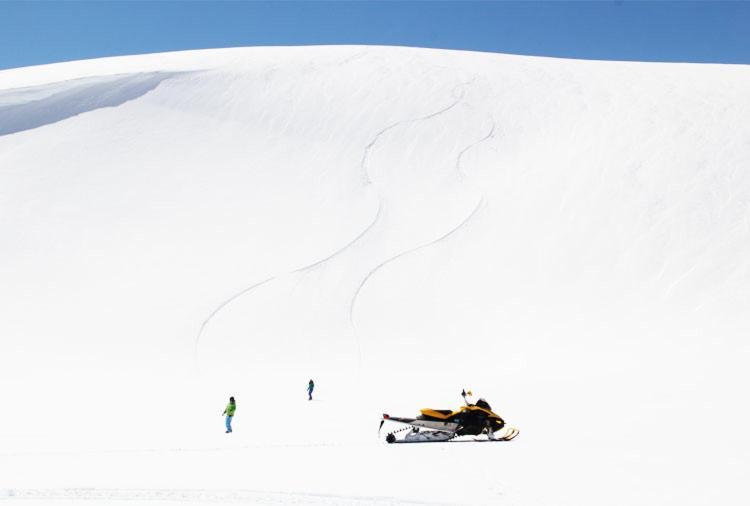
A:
x: 509, y: 436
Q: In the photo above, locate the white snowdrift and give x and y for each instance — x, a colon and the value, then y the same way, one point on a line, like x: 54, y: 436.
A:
x: 570, y: 239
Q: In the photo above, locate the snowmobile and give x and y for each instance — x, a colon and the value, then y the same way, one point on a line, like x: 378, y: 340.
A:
x: 440, y: 425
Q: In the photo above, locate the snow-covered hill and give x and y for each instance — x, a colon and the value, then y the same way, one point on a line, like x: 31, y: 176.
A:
x: 570, y: 239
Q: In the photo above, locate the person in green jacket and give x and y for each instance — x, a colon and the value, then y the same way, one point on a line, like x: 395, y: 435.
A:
x: 229, y: 411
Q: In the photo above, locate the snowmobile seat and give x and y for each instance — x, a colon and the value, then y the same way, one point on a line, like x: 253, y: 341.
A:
x: 441, y: 414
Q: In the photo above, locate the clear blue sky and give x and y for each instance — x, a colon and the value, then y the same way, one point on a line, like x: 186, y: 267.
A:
x: 33, y: 32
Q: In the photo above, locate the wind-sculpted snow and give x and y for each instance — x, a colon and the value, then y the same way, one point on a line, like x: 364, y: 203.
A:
x: 568, y: 239
x: 27, y: 108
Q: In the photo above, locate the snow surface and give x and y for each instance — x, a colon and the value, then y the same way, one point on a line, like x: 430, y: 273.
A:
x: 569, y: 239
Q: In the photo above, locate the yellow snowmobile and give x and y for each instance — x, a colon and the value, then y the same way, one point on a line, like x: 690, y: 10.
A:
x: 440, y: 425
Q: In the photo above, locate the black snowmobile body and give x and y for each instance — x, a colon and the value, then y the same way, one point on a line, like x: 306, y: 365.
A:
x: 469, y: 420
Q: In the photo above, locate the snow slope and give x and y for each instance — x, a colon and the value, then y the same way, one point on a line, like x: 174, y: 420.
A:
x: 570, y: 239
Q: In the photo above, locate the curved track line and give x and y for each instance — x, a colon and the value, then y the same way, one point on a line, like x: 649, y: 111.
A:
x: 487, y: 137
x: 363, y: 165
x: 218, y: 308
x: 368, y: 181
x: 349, y: 245
x: 366, y: 154
x: 250, y: 288
x: 455, y: 229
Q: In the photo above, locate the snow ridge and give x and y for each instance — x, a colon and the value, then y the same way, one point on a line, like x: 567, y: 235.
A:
x: 59, y: 101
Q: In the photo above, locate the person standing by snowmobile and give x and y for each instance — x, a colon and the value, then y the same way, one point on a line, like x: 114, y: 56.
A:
x: 310, y: 388
x: 229, y: 411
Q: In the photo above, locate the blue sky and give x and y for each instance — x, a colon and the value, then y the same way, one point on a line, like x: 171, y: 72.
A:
x: 34, y: 32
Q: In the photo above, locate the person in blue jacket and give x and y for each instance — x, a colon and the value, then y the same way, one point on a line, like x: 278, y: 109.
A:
x: 310, y: 388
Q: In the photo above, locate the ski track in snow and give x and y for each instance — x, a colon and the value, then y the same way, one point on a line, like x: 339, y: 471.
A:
x: 668, y: 292
x: 459, y: 171
x: 348, y: 245
x: 460, y: 156
x: 221, y: 306
x: 380, y: 133
x: 195, y: 495
x: 443, y: 237
x: 306, y: 268
x: 363, y: 163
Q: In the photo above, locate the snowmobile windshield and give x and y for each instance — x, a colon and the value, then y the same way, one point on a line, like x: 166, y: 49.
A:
x: 481, y: 403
